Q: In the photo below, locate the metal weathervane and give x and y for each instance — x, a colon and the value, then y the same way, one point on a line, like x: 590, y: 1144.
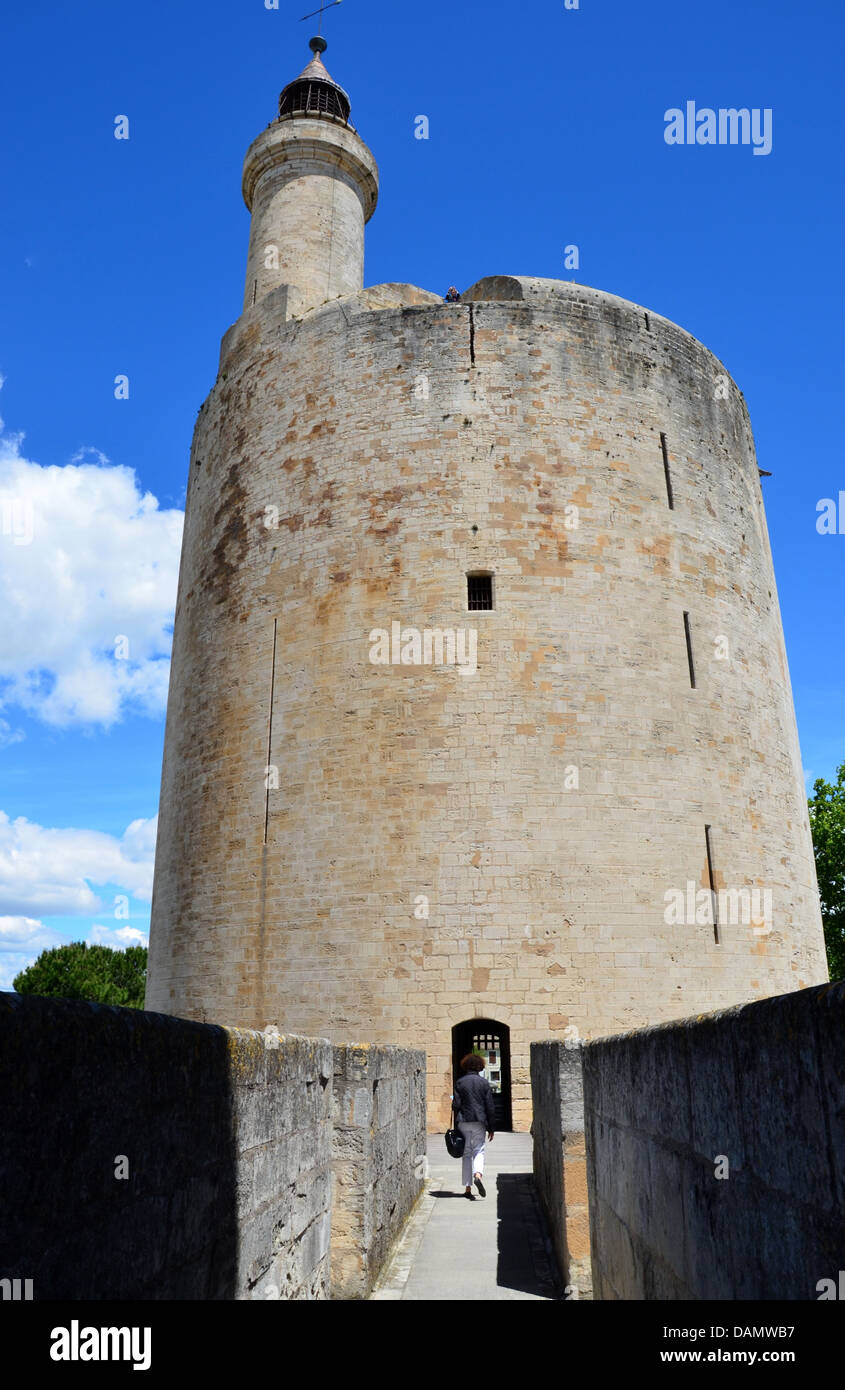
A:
x: 320, y: 12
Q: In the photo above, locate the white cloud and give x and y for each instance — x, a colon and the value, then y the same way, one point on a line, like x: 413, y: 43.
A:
x: 88, y: 573
x: 22, y: 939
x: 8, y: 735
x: 49, y: 872
x: 27, y: 934
x: 89, y: 454
x: 117, y: 937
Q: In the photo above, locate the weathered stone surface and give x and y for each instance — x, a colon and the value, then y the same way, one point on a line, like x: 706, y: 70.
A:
x: 311, y: 184
x: 383, y: 428
x: 213, y: 1206
x: 760, y: 1086
x: 560, y: 1157
x: 378, y: 1107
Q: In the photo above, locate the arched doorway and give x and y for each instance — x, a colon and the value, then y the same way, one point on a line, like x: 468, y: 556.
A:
x: 492, y: 1040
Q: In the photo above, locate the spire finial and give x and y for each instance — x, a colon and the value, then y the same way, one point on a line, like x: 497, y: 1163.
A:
x: 314, y: 92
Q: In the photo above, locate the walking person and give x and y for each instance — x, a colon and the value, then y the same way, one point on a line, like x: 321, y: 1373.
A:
x: 475, y: 1114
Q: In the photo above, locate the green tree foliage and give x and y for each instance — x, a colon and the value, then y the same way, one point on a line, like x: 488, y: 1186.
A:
x: 78, y: 971
x: 827, y: 822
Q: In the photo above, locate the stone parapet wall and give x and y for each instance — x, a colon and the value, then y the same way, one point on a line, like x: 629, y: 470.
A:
x: 715, y: 1153
x: 560, y: 1165
x: 148, y: 1157
x: 378, y: 1157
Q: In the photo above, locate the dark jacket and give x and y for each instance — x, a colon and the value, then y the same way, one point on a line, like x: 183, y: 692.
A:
x: 474, y: 1101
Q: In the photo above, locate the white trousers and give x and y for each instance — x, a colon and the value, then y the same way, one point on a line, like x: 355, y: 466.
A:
x: 473, y: 1159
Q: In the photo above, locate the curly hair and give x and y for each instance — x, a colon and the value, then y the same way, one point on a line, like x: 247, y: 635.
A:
x: 472, y: 1062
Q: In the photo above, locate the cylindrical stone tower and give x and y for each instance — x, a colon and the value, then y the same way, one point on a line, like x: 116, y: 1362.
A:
x: 311, y: 184
x: 479, y: 685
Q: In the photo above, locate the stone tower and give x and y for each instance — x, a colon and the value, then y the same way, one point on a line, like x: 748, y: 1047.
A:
x: 310, y: 183
x: 358, y: 843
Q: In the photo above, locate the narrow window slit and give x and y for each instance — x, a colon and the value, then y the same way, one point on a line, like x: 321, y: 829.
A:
x: 479, y: 592
x: 270, y: 734
x: 669, y: 494
x: 471, y: 336
x: 647, y: 324
x: 688, y: 635
x: 713, y: 898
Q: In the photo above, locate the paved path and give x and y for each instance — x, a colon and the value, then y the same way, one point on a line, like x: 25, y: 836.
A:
x: 495, y: 1247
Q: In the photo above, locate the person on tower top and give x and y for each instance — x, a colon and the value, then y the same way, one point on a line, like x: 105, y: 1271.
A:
x: 452, y: 296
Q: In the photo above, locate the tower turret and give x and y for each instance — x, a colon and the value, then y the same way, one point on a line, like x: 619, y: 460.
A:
x: 311, y: 184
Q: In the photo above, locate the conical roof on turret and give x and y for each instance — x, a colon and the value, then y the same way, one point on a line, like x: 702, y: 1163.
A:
x: 314, y: 92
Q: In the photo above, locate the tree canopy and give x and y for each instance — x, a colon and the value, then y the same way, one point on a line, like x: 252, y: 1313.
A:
x: 827, y: 823
x: 79, y: 971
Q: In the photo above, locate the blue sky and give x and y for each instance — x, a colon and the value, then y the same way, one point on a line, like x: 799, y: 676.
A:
x: 127, y: 257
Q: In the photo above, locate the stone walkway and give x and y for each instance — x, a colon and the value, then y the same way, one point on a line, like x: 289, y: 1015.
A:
x: 495, y: 1247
